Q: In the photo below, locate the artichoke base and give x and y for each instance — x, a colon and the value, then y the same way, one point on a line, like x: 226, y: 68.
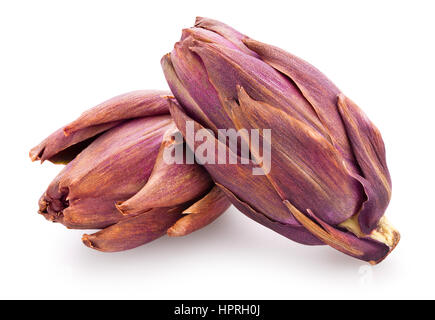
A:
x: 384, y: 232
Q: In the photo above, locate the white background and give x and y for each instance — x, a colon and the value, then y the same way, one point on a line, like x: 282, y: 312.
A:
x: 59, y: 58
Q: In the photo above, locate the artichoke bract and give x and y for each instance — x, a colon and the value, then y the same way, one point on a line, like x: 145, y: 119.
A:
x: 116, y: 178
x: 328, y: 181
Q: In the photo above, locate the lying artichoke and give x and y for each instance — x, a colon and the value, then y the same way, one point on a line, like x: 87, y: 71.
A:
x: 328, y: 181
x: 116, y: 178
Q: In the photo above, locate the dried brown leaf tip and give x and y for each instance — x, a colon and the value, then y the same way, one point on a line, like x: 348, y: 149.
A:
x: 116, y: 178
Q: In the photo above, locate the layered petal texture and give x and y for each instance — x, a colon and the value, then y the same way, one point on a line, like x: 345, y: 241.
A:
x: 328, y: 181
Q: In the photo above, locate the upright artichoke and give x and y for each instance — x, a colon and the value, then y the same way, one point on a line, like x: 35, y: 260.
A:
x: 116, y: 178
x: 328, y: 182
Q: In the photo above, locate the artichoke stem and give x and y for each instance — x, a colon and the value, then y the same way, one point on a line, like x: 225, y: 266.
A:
x: 384, y: 232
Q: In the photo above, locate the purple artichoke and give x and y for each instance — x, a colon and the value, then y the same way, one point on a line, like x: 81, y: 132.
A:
x: 328, y: 181
x: 116, y: 178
